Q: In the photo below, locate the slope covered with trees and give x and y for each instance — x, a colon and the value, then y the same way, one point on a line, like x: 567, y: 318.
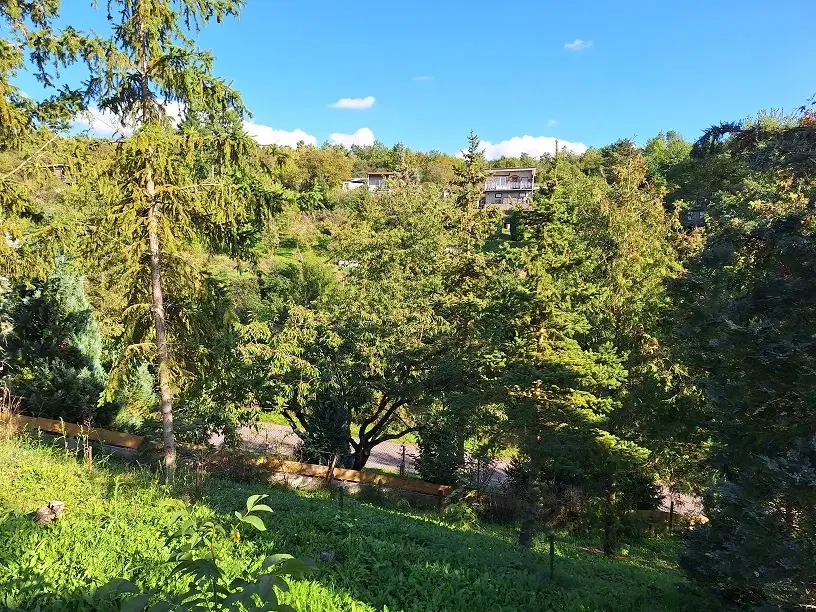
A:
x: 181, y: 280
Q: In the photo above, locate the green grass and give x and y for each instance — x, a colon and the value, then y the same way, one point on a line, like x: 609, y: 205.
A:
x: 275, y: 418
x: 385, y: 559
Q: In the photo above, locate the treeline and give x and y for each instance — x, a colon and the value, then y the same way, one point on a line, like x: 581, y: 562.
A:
x: 183, y: 280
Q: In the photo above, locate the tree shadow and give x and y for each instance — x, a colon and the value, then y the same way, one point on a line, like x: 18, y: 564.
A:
x: 413, y: 560
x: 382, y: 558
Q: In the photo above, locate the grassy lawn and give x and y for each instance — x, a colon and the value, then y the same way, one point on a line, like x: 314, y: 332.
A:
x: 385, y: 558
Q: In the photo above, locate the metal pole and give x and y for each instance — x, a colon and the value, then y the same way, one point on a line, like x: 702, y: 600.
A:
x: 402, y: 462
x: 199, y: 479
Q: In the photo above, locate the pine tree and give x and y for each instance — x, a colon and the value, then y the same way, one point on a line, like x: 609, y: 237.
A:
x: 27, y: 129
x: 154, y: 194
x: 470, y: 177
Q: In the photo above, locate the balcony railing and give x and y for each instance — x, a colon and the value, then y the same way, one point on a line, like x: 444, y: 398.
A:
x: 493, y: 185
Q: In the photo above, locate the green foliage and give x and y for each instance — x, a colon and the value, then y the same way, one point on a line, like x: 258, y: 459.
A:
x: 53, y: 350
x: 383, y: 559
x: 748, y: 299
x: 199, y: 561
x: 438, y: 460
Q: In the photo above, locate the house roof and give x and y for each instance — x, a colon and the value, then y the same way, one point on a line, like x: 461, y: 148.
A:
x: 382, y: 172
x: 496, y: 170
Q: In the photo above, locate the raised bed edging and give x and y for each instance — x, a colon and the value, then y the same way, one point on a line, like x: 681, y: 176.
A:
x: 105, y: 436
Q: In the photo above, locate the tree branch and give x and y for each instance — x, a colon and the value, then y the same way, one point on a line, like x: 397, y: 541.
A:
x: 380, y: 426
x: 377, y: 412
x: 396, y: 436
x: 29, y: 158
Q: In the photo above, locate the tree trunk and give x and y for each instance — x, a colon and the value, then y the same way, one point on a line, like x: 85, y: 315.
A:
x: 162, y: 355
x: 610, y: 520
x: 529, y: 514
x: 361, y: 455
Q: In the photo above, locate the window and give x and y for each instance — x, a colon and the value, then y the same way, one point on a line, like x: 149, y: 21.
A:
x: 500, y: 181
x: 498, y: 196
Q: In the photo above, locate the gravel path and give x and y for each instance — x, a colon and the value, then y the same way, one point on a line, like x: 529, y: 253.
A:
x: 280, y: 439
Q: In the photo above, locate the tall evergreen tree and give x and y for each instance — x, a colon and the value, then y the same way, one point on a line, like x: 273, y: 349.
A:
x: 26, y: 128
x: 154, y: 196
x: 469, y: 180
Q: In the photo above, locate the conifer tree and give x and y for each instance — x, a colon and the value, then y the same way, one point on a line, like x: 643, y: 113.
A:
x: 54, y: 350
x: 26, y: 126
x: 154, y: 194
x: 747, y: 327
x: 469, y: 179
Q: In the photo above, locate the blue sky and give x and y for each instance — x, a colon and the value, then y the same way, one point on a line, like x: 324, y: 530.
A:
x: 436, y: 69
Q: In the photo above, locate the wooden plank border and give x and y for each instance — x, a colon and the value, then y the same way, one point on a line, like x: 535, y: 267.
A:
x: 71, y: 429
x: 273, y: 464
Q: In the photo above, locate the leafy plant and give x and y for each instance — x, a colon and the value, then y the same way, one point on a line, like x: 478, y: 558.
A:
x: 198, y: 558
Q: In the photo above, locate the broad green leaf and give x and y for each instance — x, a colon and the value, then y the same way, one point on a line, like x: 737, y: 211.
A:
x: 135, y: 604
x: 275, y: 559
x: 255, y: 521
x: 252, y: 500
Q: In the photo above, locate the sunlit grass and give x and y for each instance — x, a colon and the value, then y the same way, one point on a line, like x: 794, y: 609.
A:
x: 383, y: 558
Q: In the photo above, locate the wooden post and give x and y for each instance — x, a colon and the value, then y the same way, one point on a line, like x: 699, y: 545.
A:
x: 88, y: 453
x: 478, y: 474
x: 341, y: 495
x: 330, y: 475
x: 199, y: 480
x: 671, y: 514
x: 402, y: 462
x: 441, y: 502
x: 551, y: 538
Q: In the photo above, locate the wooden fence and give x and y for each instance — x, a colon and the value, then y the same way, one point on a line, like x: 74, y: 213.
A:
x: 114, y: 438
x: 229, y: 461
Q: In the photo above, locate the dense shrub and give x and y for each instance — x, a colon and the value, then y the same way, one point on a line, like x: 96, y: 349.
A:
x: 437, y: 461
x: 53, y: 350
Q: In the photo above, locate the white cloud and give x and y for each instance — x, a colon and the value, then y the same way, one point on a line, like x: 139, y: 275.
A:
x: 265, y: 135
x: 578, y: 45
x: 552, y: 122
x: 362, y: 137
x: 102, y: 123
x: 105, y: 123
x: 532, y: 145
x: 354, y: 103
x: 423, y: 78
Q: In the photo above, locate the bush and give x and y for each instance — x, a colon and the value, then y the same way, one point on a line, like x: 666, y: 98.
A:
x: 437, y: 461
x: 53, y: 350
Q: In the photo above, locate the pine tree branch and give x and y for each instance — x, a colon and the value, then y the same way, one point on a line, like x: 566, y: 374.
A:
x: 29, y: 158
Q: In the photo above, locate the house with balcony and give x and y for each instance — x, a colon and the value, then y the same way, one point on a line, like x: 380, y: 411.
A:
x: 378, y: 181
x: 507, y: 188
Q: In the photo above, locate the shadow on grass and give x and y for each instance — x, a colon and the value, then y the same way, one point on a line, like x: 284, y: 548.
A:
x: 398, y: 560
x: 381, y: 558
